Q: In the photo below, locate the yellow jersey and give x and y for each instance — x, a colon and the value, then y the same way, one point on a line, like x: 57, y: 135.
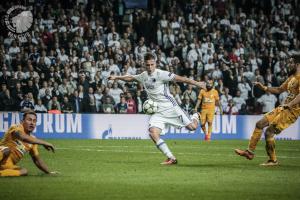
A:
x: 292, y: 86
x: 208, y: 99
x: 17, y: 148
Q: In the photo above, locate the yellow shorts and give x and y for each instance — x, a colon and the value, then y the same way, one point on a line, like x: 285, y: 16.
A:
x: 9, y: 164
x: 207, y: 116
x: 280, y: 118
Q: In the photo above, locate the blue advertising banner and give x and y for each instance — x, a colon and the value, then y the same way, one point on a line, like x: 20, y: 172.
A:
x: 108, y: 126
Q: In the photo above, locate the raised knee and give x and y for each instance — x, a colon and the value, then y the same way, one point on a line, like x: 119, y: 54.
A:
x: 260, y: 125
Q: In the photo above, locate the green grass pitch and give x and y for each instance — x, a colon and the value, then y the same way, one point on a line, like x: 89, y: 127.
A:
x: 130, y: 169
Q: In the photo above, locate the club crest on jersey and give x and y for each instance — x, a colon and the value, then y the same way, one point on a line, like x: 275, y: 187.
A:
x: 149, y: 85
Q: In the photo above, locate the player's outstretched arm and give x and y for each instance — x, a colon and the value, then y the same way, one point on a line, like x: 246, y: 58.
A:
x: 32, y: 140
x: 197, y: 105
x: 189, y: 81
x: 123, y: 78
x: 41, y: 164
x: 273, y: 90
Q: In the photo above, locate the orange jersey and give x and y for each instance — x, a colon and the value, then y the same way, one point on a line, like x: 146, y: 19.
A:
x: 17, y: 148
x: 292, y: 86
x: 208, y: 99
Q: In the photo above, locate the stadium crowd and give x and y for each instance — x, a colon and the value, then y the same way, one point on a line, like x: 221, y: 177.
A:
x: 74, y: 47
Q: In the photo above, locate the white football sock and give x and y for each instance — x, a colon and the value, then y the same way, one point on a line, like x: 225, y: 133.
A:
x: 163, y: 147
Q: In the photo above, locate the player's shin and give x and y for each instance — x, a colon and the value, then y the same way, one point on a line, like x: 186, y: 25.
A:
x: 163, y: 147
x: 256, y: 135
x: 209, y: 131
x: 270, y: 147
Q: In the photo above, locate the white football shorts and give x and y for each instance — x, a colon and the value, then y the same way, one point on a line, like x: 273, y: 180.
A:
x: 174, y: 116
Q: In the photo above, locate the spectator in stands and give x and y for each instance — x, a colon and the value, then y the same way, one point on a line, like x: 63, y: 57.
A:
x: 131, y: 104
x: 76, y: 102
x: 107, y: 106
x: 91, y: 101
x: 187, y: 105
x: 244, y: 88
x: 139, y: 99
x: 122, y: 105
x: 39, y: 107
x: 27, y: 103
x: 8, y: 101
x: 53, y: 104
x: 66, y: 106
x: 54, y: 109
x: 2, y: 95
x: 115, y: 92
x: 268, y: 102
x: 191, y: 94
x: 224, y: 100
x: 238, y: 100
x: 231, y: 109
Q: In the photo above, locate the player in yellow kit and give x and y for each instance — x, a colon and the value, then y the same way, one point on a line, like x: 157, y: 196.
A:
x: 208, y: 98
x: 16, y: 142
x: 279, y: 118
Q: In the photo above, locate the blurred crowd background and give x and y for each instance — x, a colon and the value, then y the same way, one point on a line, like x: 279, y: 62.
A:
x: 74, y: 46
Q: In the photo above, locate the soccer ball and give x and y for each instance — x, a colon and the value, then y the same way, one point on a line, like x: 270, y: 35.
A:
x: 150, y: 107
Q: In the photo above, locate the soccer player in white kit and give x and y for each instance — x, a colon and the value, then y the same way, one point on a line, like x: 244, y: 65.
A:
x: 155, y: 82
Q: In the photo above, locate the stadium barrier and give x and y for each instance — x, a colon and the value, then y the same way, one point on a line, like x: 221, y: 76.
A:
x: 135, y: 126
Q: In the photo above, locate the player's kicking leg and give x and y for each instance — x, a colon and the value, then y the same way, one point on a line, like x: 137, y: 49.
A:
x: 195, y: 122
x: 162, y: 146
x: 256, y: 135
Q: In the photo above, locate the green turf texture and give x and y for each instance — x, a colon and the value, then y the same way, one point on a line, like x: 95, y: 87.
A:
x: 130, y: 169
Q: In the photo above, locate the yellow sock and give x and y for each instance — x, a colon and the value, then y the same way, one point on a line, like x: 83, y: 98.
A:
x: 204, y: 129
x: 270, y: 148
x: 256, y: 135
x: 209, y: 130
x: 10, y: 172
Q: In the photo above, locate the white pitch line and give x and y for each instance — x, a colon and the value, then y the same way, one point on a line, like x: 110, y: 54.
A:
x: 157, y: 152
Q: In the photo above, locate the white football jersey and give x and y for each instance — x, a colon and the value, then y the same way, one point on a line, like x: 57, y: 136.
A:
x: 157, y: 87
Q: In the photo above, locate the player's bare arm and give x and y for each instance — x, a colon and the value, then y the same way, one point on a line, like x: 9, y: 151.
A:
x: 123, y: 78
x: 197, y: 105
x: 41, y: 164
x: 189, y: 81
x: 273, y: 90
x: 31, y: 140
